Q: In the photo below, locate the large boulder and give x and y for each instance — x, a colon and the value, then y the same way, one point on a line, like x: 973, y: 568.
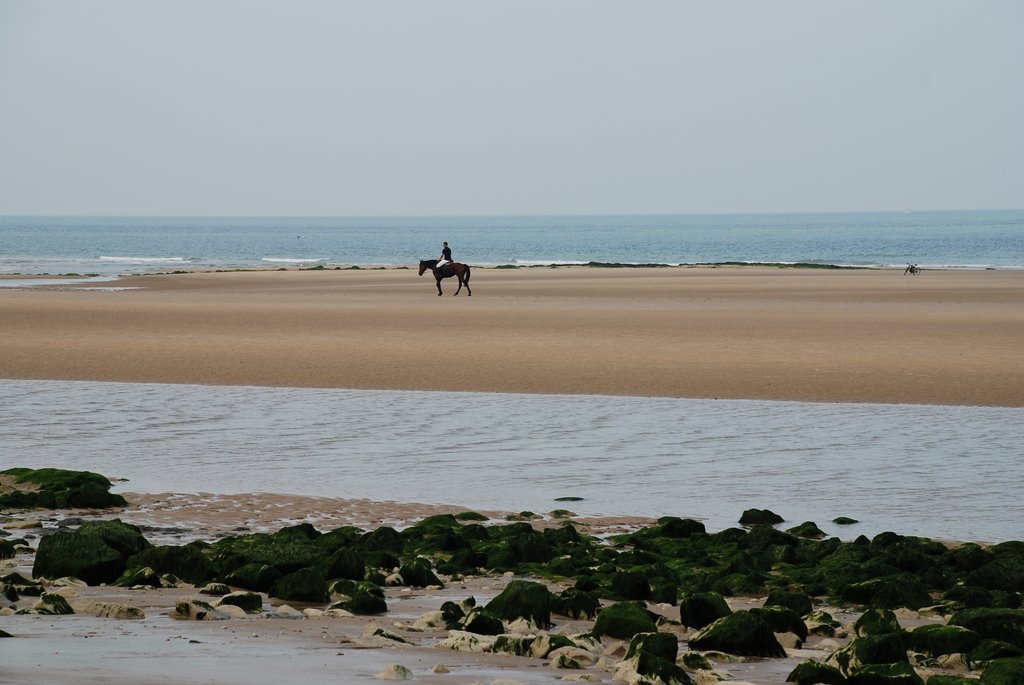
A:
x: 937, y: 639
x: 305, y: 585
x: 624, y: 620
x: 344, y: 563
x: 886, y: 648
x: 782, y: 620
x: 184, y: 561
x: 1006, y: 625
x: 253, y: 576
x: 760, y: 516
x: 123, y: 537
x: 889, y: 592
x: 799, y: 602
x: 59, y: 489
x: 418, y: 573
x: 898, y: 673
x: 699, y: 609
x: 1004, y: 672
x: 86, y: 557
x: 359, y: 597
x: 876, y: 621
x: 741, y: 633
x: 523, y: 599
x: 651, y: 658
x: 812, y: 672
x: 575, y: 603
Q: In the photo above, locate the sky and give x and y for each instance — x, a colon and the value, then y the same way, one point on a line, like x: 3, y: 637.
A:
x: 479, y: 107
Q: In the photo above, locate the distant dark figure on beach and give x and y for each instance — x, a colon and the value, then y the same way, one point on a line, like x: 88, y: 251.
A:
x: 446, y: 256
x: 911, y: 269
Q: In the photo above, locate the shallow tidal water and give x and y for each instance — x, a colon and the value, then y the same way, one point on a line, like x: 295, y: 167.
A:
x: 936, y: 471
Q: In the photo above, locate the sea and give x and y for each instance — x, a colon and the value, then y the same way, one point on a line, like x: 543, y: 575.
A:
x: 944, y: 472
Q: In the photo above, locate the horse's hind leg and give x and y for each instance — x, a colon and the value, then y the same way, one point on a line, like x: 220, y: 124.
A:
x: 459, y: 289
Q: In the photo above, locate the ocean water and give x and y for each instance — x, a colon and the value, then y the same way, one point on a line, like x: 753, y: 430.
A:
x: 125, y: 245
x: 946, y: 472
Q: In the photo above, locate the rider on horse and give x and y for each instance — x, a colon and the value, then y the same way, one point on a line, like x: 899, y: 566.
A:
x: 446, y: 256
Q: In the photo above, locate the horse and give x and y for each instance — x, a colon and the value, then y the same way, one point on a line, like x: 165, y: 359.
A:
x: 460, y: 271
x: 912, y: 269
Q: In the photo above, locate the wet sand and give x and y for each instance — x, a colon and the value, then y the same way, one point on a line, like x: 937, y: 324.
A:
x: 944, y: 337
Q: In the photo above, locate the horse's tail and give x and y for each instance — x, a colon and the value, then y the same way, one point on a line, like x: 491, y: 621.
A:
x: 466, y: 277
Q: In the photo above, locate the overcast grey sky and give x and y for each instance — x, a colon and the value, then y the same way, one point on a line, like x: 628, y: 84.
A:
x: 527, y: 107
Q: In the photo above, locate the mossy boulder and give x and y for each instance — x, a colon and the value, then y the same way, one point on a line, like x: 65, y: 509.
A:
x: 624, y: 620
x: 187, y: 562
x: 782, y: 620
x: 630, y: 585
x: 1004, y: 672
x: 304, y: 585
x: 653, y: 657
x: 742, y: 633
x: 360, y: 597
x: 482, y: 622
x: 889, y: 592
x: 810, y: 672
x: 123, y: 537
x: 86, y: 557
x: 135, y: 577
x: 52, y: 604
x: 898, y: 673
x: 989, y: 650
x: 680, y: 528
x: 59, y: 489
x: 876, y: 621
x: 575, y: 603
x: 523, y: 599
x: 799, y: 602
x: 253, y: 576
x: 807, y: 529
x: 344, y: 563
x: 7, y: 549
x: 752, y: 517
x: 1006, y: 625
x: 936, y: 640
x: 419, y: 573
x: 249, y: 602
x: 887, y: 648
x: 699, y: 609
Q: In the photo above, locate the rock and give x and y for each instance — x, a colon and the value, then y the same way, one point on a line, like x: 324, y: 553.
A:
x: 741, y: 633
x: 125, y: 538
x: 810, y: 672
x: 799, y: 602
x: 989, y: 650
x: 215, y: 589
x: 575, y: 603
x: 630, y: 585
x: 186, y: 562
x: 248, y: 602
x: 394, y: 672
x: 1006, y: 625
x: 886, y: 648
x: 430, y: 620
x: 516, y: 645
x: 304, y: 585
x: 523, y: 599
x: 1004, y: 672
x: 844, y: 521
x: 139, y: 577
x: 373, y: 630
x: 651, y: 658
x: 936, y: 640
x: 358, y: 596
x: 462, y: 641
x: 782, y: 620
x: 876, y: 622
x: 196, y: 610
x: 98, y: 609
x: 889, y: 592
x: 482, y: 622
x: 624, y: 620
x: 807, y: 529
x: 253, y: 576
x: 59, y: 488
x: 699, y: 609
x: 51, y: 603
x: 680, y: 528
x: 231, y: 611
x: 418, y: 573
x: 754, y: 516
x: 285, y: 611
x: 898, y: 673
x: 545, y: 643
x: 85, y: 557
x: 344, y: 563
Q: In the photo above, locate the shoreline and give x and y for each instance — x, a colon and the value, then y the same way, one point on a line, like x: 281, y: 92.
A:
x: 815, y: 335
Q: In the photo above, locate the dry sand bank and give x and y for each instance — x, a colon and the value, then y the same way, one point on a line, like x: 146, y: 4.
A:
x: 944, y: 337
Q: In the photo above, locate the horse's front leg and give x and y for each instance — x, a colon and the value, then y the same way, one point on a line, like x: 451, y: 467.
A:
x: 438, y: 287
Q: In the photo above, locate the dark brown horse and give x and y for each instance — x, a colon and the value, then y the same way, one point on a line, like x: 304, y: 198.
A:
x: 460, y: 271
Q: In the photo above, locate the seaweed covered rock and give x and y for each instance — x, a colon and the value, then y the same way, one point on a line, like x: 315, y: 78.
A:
x: 1004, y: 672
x: 479, y: 621
x: 344, y: 563
x: 652, y: 657
x: 675, y: 527
x: 624, y: 620
x: 523, y: 599
x: 253, y: 576
x: 197, y: 610
x: 799, y: 602
x: 418, y: 573
x: 742, y: 633
x: 807, y: 529
x: 810, y: 672
x: 123, y: 537
x: 59, y: 489
x: 699, y: 609
x: 897, y: 673
x: 305, y: 585
x: 630, y: 585
x: 757, y: 516
x: 575, y: 603
x: 52, y: 604
x: 886, y: 648
x: 7, y: 549
x: 185, y: 561
x: 135, y: 577
x: 249, y: 602
x: 1006, y: 625
x: 936, y: 640
x: 86, y: 557
x: 876, y: 621
x: 782, y: 620
x: 359, y: 597
x: 889, y: 592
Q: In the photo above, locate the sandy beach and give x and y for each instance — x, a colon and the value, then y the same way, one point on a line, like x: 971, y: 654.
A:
x: 944, y: 337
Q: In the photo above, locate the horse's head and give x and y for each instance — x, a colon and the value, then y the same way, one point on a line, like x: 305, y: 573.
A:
x: 423, y: 267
